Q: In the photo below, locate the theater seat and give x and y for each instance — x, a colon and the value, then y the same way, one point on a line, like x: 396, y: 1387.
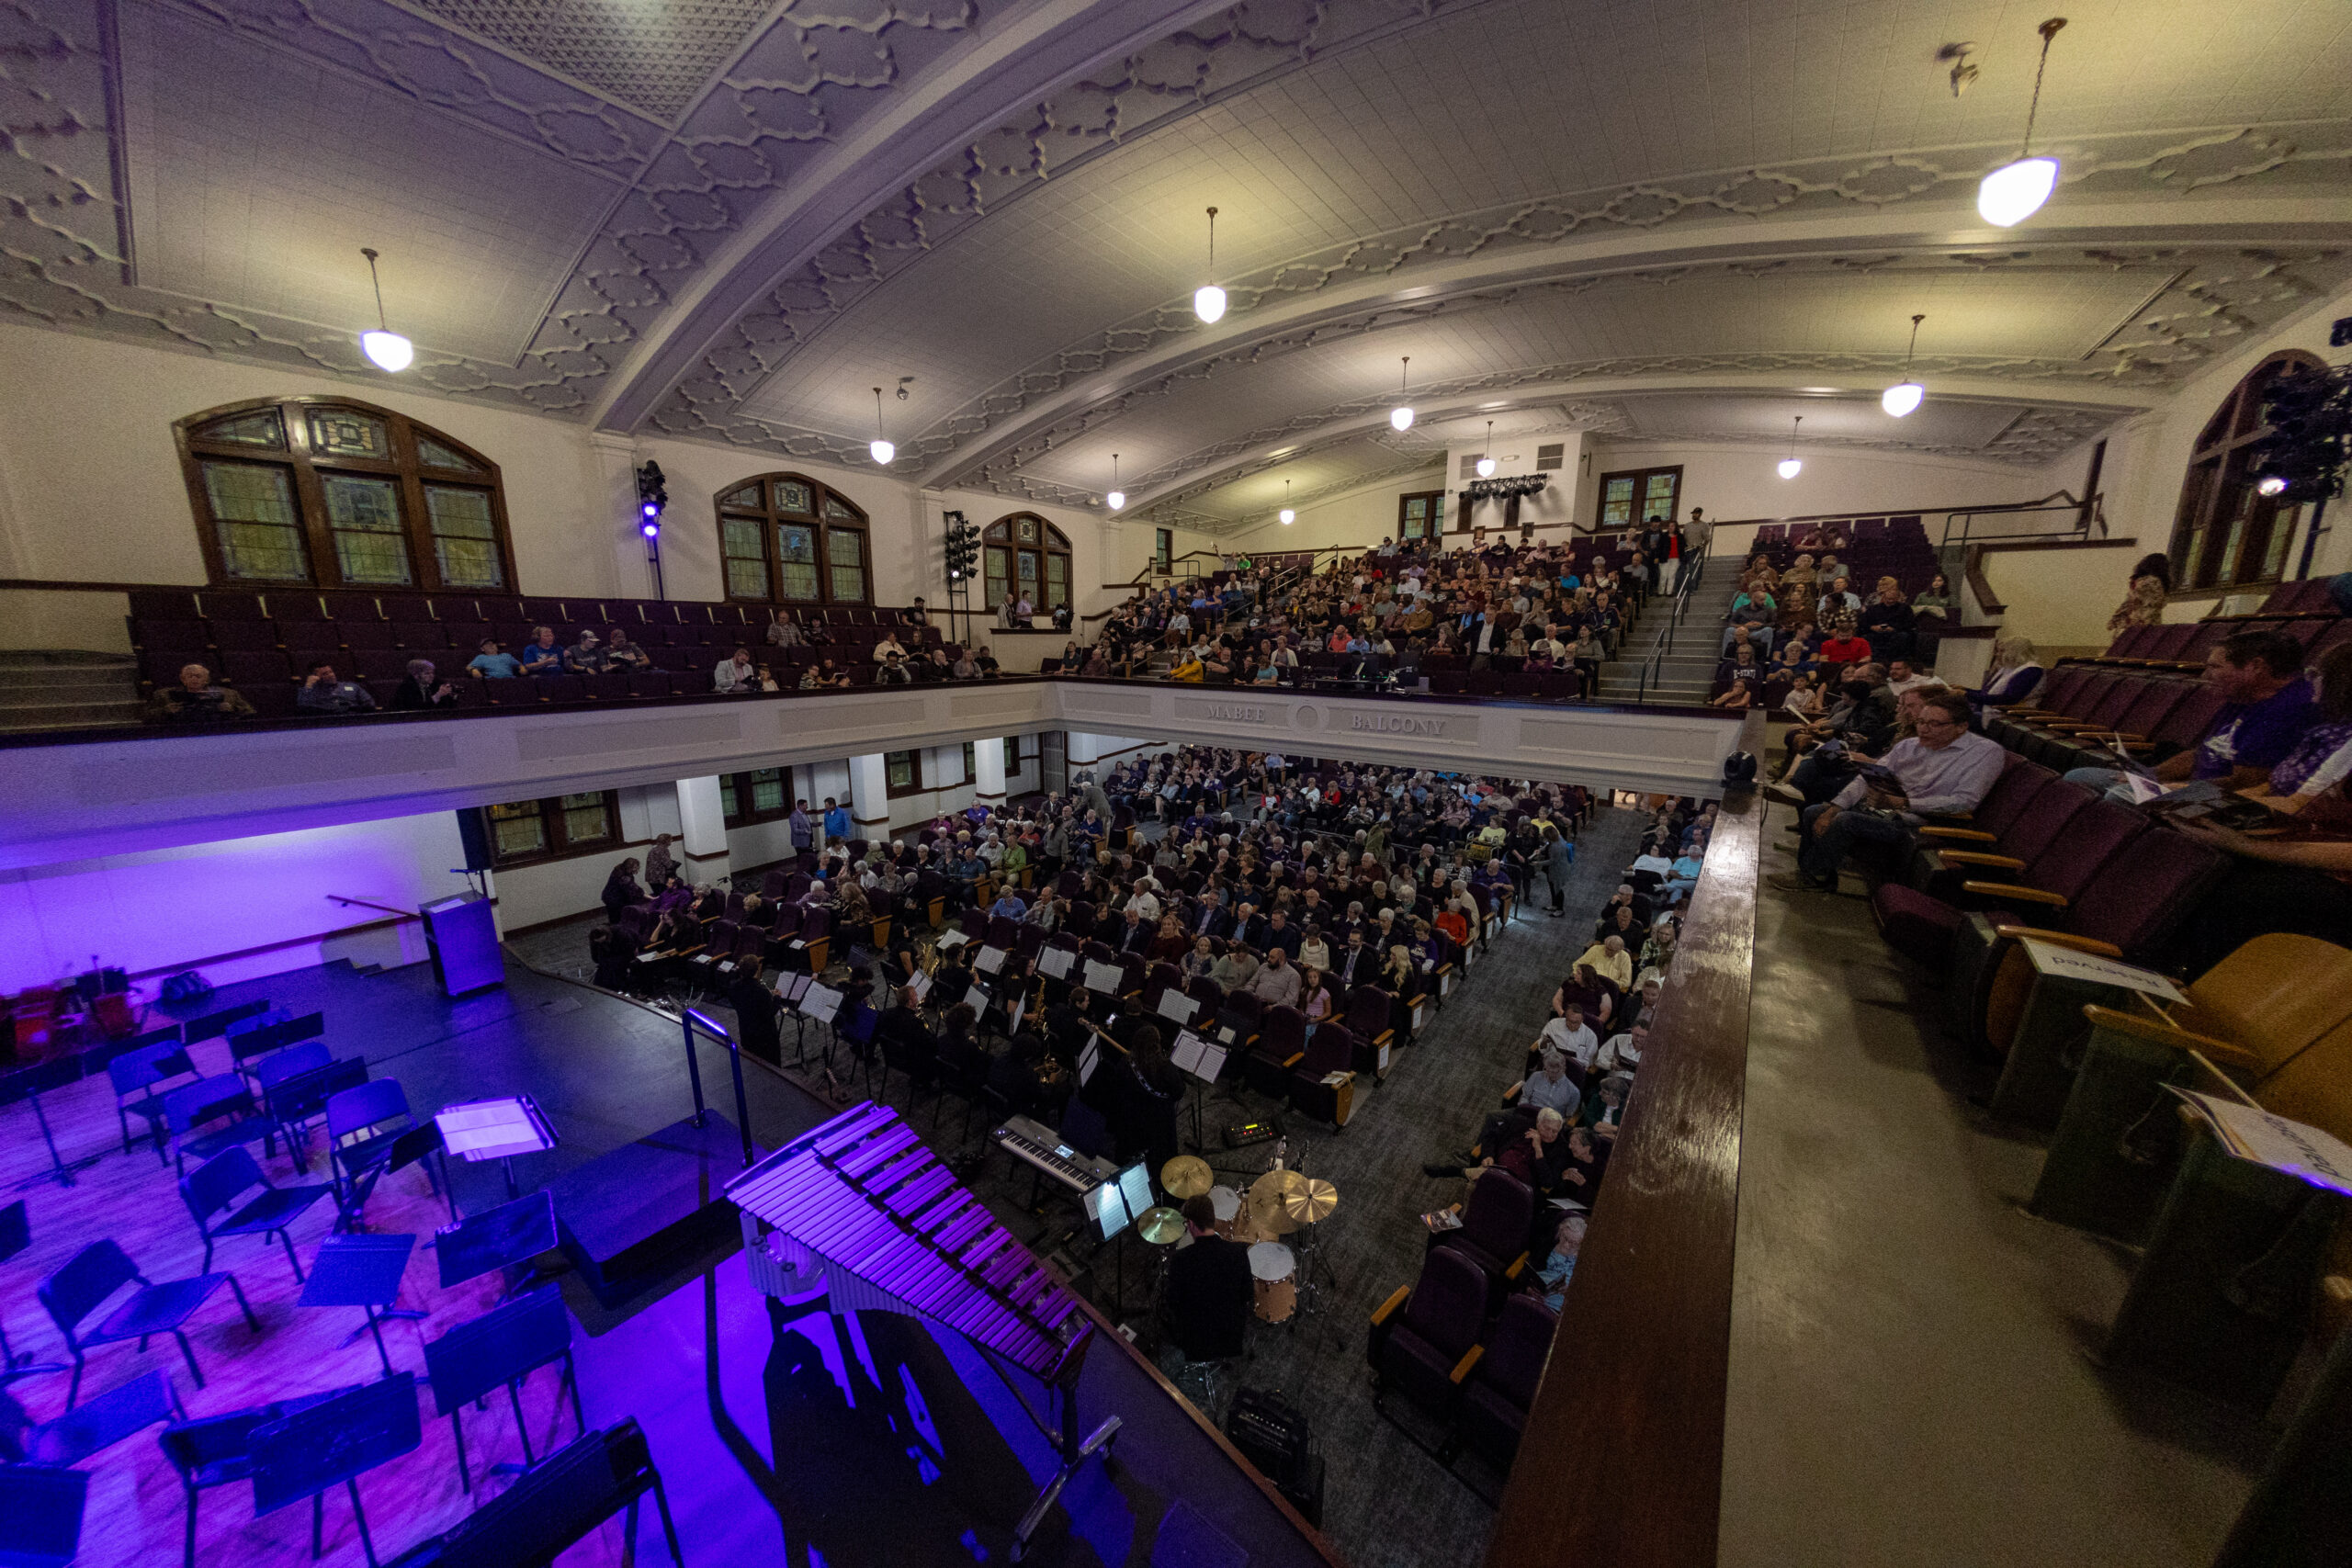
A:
x: 1496, y: 1400
x: 1425, y: 1352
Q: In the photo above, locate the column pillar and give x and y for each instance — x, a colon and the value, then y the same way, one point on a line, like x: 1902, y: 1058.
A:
x: 1084, y: 749
x: 869, y: 795
x: 988, y: 773
x: 612, y: 474
x: 702, y: 827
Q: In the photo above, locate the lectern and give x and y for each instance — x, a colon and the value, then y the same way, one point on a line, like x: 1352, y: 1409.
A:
x: 462, y: 933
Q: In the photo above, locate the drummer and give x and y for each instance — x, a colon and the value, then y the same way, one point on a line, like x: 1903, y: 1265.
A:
x: 1210, y: 1291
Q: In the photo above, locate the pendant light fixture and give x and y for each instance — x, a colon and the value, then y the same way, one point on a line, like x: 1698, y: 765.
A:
x: 1117, y: 498
x: 1209, y: 300
x: 1792, y: 465
x: 1905, y: 395
x: 882, y: 449
x: 2015, y: 191
x: 385, y: 348
x: 1485, y: 463
x: 1401, y: 416
x: 1286, y: 515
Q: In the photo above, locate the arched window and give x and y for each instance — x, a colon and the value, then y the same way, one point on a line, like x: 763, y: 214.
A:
x: 786, y: 539
x: 341, y: 494
x: 2225, y: 531
x: 1024, y: 554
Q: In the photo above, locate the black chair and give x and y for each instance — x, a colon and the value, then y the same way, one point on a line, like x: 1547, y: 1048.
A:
x: 141, y: 1078
x: 226, y: 1110
x: 362, y: 1121
x: 41, y: 1515
x: 415, y: 1147
x: 219, y: 1182
x: 212, y: 1450
x: 90, y: 1279
x: 15, y: 1235
x: 96, y: 1426
x: 301, y: 1098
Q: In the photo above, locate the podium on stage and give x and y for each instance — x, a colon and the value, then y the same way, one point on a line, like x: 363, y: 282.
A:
x: 462, y: 933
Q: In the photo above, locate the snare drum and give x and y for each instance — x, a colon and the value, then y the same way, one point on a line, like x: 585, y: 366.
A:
x: 1274, y: 1274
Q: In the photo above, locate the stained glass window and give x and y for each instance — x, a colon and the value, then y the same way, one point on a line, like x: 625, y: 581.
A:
x: 794, y: 495
x: 747, y: 496
x: 524, y: 830
x: 1640, y: 495
x: 294, y: 489
x: 1027, y: 527
x: 519, y: 829
x: 1019, y: 554
x: 746, y: 565
x: 1057, y: 582
x: 347, y: 433
x: 845, y: 552
x: 365, y: 516
x: 796, y: 558
x: 465, y: 537
x: 255, y: 519
x: 900, y: 770
x: 837, y: 512
x: 997, y: 559
x: 586, y: 820
x: 435, y: 454
x: 259, y: 429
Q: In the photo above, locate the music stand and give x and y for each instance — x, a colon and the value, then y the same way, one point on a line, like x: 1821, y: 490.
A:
x: 30, y: 1084
x: 503, y: 1237
x: 496, y: 1129
x: 504, y: 1345
x: 362, y: 1271
x: 334, y: 1443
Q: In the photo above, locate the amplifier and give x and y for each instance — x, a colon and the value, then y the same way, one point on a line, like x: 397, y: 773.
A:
x: 1241, y: 1133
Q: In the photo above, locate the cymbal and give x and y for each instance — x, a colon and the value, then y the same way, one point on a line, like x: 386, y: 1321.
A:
x: 1186, y: 1176
x: 1278, y: 1183
x: 1266, y: 1212
x: 1161, y: 1226
x: 1314, y: 1205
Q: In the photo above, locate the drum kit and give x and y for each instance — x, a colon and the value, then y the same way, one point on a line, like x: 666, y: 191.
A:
x: 1279, y: 1205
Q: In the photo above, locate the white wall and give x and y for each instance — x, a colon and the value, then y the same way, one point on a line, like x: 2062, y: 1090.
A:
x: 91, y: 487
x: 1352, y: 519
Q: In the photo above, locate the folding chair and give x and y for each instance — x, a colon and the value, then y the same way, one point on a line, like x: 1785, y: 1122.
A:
x: 222, y: 1181
x: 90, y: 1279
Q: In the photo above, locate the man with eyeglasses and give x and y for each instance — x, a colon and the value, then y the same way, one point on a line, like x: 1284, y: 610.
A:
x: 1942, y: 769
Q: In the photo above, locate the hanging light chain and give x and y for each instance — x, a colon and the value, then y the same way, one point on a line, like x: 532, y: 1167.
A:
x: 2049, y: 30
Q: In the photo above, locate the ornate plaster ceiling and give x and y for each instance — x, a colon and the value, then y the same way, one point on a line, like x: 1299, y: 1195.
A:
x: 727, y: 221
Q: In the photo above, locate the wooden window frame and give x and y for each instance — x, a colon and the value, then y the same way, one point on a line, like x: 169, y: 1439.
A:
x: 2217, y: 479
x: 405, y: 468
x: 745, y: 815
x: 559, y: 845
x: 1436, y: 498
x: 771, y: 517
x: 1641, y: 477
x: 1051, y: 542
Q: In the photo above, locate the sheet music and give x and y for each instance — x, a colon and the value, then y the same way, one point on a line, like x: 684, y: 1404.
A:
x: 1013, y: 1015
x: 1175, y: 1004
x: 922, y: 984
x: 1203, y: 1058
x: 952, y: 938
x: 489, y: 1129
x: 1104, y: 978
x: 976, y: 999
x: 1090, y: 1057
x: 988, y: 960
x: 1055, y: 961
x: 790, y: 988
x: 820, y: 1002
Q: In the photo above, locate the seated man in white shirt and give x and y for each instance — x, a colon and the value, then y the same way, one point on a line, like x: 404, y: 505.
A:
x: 1276, y: 983
x: 1902, y: 678
x: 735, y: 674
x: 1569, y: 1036
x: 1944, y: 769
x: 1622, y: 1052
x: 889, y: 646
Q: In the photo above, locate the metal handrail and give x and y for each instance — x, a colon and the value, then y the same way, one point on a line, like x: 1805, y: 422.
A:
x: 2084, y: 515
x: 1686, y: 582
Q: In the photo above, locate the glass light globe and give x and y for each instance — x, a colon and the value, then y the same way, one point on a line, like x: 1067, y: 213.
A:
x: 2015, y: 192
x: 1400, y: 418
x: 1902, y: 398
x: 1208, y: 302
x: 2271, y: 484
x: 883, y: 452
x: 1791, y: 467
x: 1486, y: 467
x: 1116, y: 500
x: 388, y: 350
x: 1288, y: 515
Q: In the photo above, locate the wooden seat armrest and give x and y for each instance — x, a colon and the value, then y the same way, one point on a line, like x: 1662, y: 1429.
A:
x: 1978, y: 857
x: 1294, y: 1059
x: 1948, y: 818
x: 1384, y: 1037
x: 2014, y: 890
x: 2060, y: 939
x: 1518, y: 1267
x: 1961, y: 835
x: 1387, y: 1309
x: 1469, y: 1360
x: 1512, y: 1093
x: 2140, y: 1027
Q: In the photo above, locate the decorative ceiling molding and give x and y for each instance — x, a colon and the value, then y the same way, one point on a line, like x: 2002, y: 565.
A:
x: 709, y: 402
x: 2214, y: 303
x: 2035, y: 436
x: 1169, y: 513
x: 655, y: 57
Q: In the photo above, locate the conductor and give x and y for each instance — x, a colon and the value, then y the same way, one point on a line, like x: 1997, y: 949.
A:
x: 1209, y: 1289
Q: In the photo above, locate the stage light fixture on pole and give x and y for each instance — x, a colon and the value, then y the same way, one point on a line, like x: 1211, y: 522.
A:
x: 1400, y: 418
x: 881, y: 449
x: 1209, y: 300
x: 1287, y: 515
x: 1117, y: 498
x: 1905, y: 395
x: 1485, y: 463
x: 652, y: 499
x: 1792, y: 465
x: 385, y: 348
x: 2015, y: 191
